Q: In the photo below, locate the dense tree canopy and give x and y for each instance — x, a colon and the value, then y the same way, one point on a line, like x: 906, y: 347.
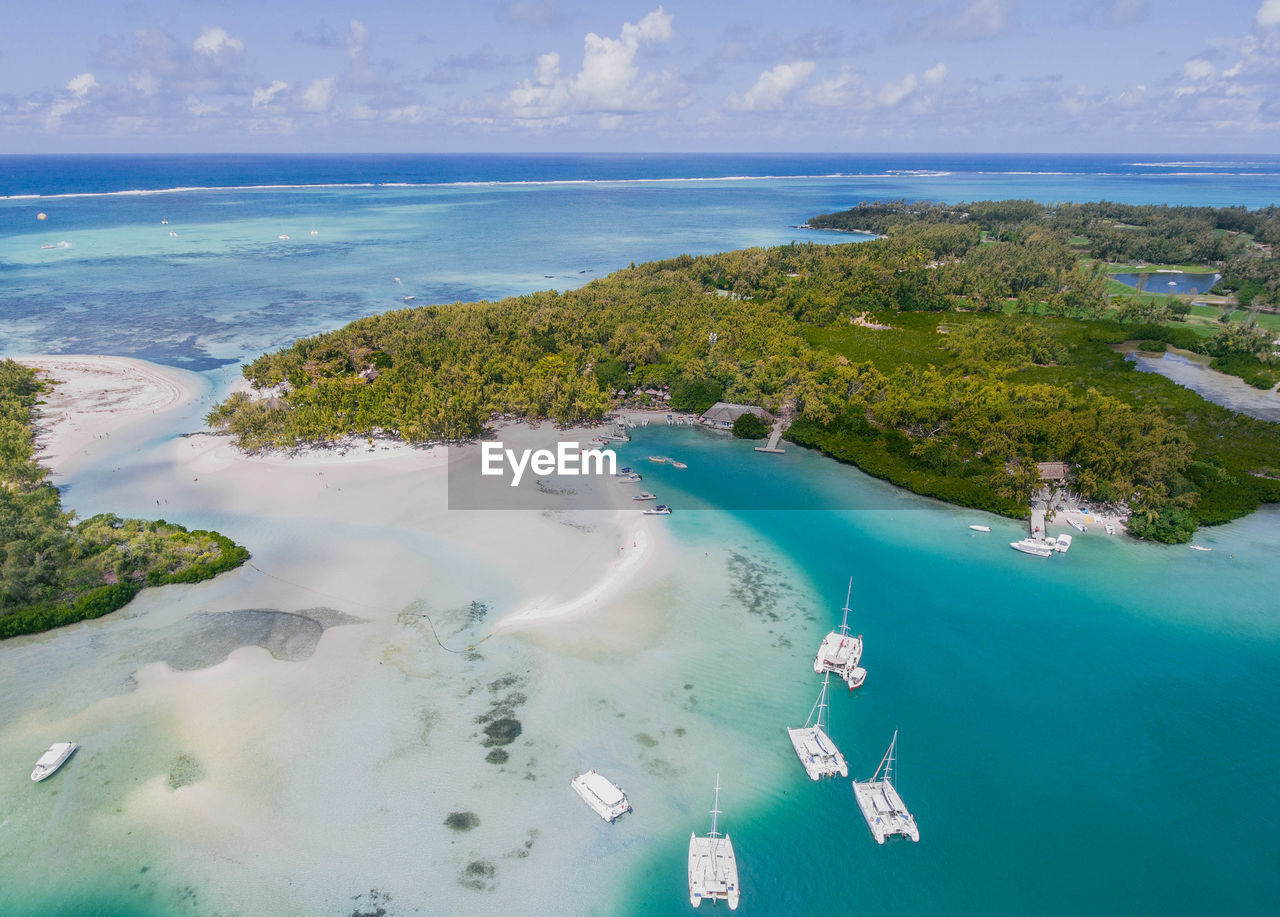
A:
x: 55, y: 571
x: 956, y: 399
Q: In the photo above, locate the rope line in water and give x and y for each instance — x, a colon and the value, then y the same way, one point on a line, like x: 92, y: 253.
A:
x: 341, y: 601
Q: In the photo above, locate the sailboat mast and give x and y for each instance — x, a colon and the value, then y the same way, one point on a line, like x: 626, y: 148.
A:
x: 715, y: 809
x: 888, y: 759
x: 822, y: 702
x: 844, y: 625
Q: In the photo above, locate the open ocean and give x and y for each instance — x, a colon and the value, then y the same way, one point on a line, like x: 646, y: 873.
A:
x: 1099, y: 733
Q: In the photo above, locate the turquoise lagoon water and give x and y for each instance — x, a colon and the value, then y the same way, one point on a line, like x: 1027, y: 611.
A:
x: 1096, y: 732
x: 1070, y: 728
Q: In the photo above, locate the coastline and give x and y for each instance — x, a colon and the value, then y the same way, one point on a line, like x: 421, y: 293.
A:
x: 95, y: 396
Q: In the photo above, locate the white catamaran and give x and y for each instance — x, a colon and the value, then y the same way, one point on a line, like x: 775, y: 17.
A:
x: 713, y: 869
x: 813, y: 746
x: 880, y: 803
x: 841, y: 651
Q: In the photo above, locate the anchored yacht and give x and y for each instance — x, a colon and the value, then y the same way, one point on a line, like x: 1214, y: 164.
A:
x: 606, y: 798
x: 881, y: 806
x: 841, y: 651
x: 813, y: 746
x: 1033, y: 546
x: 53, y: 759
x: 713, y: 868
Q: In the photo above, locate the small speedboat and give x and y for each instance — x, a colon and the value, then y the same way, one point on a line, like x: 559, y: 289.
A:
x: 1080, y: 526
x: 1200, y: 547
x: 53, y: 759
x: 660, y: 510
x: 675, y: 464
x: 283, y: 237
x: 1111, y: 529
x: 645, y: 495
x: 980, y: 528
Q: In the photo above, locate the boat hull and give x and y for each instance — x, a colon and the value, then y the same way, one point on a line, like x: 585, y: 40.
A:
x: 713, y: 871
x: 52, y: 760
x: 817, y: 753
x: 885, y: 812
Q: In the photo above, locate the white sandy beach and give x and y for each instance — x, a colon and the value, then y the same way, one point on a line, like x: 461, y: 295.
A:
x: 96, y: 396
x: 285, y: 780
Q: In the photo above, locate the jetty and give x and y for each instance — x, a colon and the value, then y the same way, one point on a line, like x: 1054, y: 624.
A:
x: 775, y: 437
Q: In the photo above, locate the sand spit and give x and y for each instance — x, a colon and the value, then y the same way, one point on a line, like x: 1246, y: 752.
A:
x: 97, y: 396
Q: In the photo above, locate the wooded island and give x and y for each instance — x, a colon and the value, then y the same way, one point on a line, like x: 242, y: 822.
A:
x: 949, y: 357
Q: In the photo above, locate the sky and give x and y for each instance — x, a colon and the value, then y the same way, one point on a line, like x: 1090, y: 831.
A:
x: 80, y: 76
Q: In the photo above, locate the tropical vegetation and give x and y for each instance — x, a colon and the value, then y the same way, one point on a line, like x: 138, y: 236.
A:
x: 950, y: 356
x: 55, y: 570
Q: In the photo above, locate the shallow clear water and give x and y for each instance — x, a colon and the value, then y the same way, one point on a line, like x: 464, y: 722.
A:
x: 1229, y: 391
x: 1099, y: 731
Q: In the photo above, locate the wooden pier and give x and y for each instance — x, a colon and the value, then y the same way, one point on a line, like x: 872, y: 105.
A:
x: 774, y: 438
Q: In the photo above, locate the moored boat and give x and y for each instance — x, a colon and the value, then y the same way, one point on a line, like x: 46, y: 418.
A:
x: 840, y: 651
x: 606, y: 798
x: 1033, y: 546
x: 645, y: 495
x: 819, y: 755
x: 713, y: 868
x: 53, y: 759
x: 1079, y: 526
x: 881, y: 806
x: 980, y: 528
x: 660, y: 510
x: 659, y: 459
x: 675, y: 464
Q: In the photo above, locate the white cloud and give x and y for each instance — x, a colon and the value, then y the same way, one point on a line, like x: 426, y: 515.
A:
x: 892, y: 93
x: 773, y: 87
x: 610, y: 122
x: 848, y: 91
x: 262, y: 96
x: 357, y: 40
x: 1268, y: 14
x: 409, y: 114
x: 985, y: 18
x: 213, y: 40
x: 1198, y: 69
x: 198, y: 108
x: 609, y: 81
x: 318, y: 95
x: 79, y: 86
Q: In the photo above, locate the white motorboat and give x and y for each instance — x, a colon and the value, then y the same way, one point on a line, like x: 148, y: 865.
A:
x: 713, y: 868
x: 606, y: 798
x: 53, y: 759
x: 645, y: 495
x: 629, y: 477
x: 660, y: 510
x: 1061, y: 544
x: 1111, y: 529
x: 1079, y: 526
x: 980, y: 528
x: 1033, y: 546
x: 841, y: 651
x: 674, y: 464
x: 881, y: 806
x: 1200, y: 547
x: 813, y: 746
